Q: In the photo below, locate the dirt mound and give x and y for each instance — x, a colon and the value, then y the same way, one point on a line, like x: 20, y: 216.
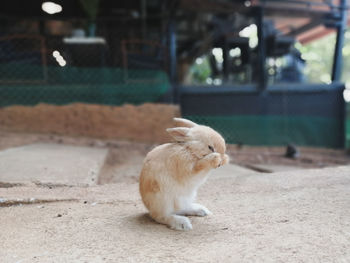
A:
x: 146, y: 123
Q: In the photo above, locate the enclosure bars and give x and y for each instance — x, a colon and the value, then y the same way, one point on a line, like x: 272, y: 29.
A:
x: 172, y: 58
x: 171, y: 42
x: 259, y: 17
x: 338, y: 56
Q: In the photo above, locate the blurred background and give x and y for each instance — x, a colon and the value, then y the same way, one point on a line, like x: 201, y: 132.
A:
x: 262, y: 72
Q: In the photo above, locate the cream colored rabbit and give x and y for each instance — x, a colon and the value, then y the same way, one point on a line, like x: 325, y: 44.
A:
x: 172, y: 173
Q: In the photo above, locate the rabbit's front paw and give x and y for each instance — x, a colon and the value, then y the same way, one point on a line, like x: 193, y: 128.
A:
x: 215, y: 159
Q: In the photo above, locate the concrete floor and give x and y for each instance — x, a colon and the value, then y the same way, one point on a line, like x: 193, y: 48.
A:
x: 288, y: 216
x: 51, y: 163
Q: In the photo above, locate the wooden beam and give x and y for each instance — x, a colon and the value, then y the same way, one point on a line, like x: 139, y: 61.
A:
x: 305, y: 27
x: 271, y: 11
x: 309, y: 38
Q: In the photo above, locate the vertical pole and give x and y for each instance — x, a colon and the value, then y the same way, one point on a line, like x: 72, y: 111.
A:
x: 259, y: 16
x: 172, y: 57
x: 338, y: 54
x: 225, y: 55
x: 143, y: 18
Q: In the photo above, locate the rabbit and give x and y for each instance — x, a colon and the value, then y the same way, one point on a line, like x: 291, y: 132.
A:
x: 172, y: 173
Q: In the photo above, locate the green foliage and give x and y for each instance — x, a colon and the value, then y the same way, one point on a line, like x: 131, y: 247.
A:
x: 199, y: 72
x: 319, y: 58
x: 317, y: 54
x: 346, y: 58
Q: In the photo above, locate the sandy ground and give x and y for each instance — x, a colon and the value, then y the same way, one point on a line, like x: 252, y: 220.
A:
x: 278, y: 217
x: 302, y: 215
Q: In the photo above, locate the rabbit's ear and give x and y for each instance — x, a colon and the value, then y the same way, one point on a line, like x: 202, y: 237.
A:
x: 179, y: 134
x: 185, y: 123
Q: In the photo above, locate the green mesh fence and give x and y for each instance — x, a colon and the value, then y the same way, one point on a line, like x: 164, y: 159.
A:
x: 30, y: 84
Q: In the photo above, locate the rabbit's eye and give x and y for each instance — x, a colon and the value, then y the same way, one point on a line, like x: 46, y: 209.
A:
x: 211, y: 148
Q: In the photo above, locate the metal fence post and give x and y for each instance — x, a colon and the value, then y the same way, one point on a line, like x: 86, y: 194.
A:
x: 259, y: 16
x: 338, y: 56
x: 172, y: 58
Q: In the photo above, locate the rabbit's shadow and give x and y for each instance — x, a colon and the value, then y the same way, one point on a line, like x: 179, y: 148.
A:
x: 145, y: 222
x: 141, y: 220
x: 144, y: 219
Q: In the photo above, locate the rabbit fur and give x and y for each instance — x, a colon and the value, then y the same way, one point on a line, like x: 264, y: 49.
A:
x: 172, y: 173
